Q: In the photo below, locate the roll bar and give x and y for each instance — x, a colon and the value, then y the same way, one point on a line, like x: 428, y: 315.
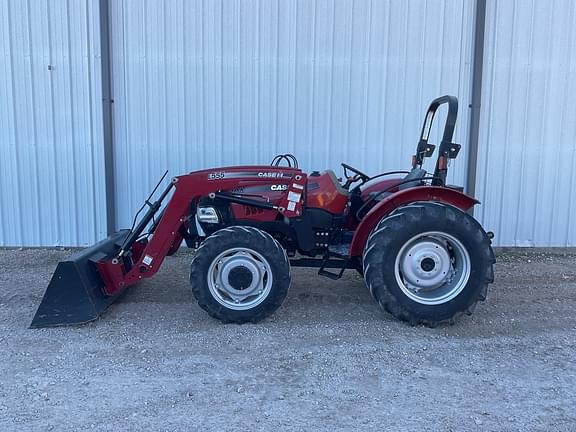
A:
x: 448, y: 149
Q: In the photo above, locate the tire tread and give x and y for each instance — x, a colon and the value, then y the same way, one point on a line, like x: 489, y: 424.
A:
x: 385, y: 232
x: 228, y: 237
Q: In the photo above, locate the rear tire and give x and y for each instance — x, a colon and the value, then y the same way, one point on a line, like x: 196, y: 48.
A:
x: 428, y: 263
x: 240, y: 274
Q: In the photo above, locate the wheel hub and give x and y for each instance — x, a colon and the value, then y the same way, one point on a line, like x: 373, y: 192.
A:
x: 240, y: 278
x: 425, y: 265
x: 428, y: 264
x: 432, y: 268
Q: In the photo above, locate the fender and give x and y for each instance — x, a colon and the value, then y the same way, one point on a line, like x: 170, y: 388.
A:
x: 392, y: 202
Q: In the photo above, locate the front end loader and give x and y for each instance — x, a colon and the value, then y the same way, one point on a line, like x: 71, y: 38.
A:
x: 423, y: 257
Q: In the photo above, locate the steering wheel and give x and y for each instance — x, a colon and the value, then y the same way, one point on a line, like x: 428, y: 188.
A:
x: 359, y: 175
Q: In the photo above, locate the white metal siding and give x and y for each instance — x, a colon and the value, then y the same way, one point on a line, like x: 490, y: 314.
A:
x: 51, y: 175
x: 200, y: 84
x: 208, y: 83
x: 527, y: 154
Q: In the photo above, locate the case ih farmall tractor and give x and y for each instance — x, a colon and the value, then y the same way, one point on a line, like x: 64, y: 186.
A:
x: 423, y: 257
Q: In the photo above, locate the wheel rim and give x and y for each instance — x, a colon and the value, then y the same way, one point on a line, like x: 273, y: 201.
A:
x: 240, y: 278
x: 432, y: 268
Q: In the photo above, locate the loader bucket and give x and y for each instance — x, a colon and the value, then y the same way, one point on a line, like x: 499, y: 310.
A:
x: 75, y: 294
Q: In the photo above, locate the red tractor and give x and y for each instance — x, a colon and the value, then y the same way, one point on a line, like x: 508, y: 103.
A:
x: 423, y: 257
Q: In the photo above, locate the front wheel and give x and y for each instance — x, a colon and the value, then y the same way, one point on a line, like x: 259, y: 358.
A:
x: 240, y: 274
x: 428, y: 262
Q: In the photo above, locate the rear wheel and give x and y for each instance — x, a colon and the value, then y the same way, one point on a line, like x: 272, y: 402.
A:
x: 427, y: 263
x: 240, y: 274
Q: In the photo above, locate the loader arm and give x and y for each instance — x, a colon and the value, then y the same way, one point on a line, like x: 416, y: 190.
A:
x: 188, y: 188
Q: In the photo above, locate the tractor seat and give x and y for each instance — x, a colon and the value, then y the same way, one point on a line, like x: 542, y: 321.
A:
x: 415, y: 175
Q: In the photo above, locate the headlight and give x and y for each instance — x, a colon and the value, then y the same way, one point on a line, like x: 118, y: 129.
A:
x: 208, y: 215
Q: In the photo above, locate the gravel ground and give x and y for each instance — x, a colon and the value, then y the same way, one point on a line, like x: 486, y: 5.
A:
x: 329, y: 359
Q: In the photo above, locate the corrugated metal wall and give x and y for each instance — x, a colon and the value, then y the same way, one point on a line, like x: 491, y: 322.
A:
x: 51, y: 175
x: 527, y: 154
x: 208, y: 83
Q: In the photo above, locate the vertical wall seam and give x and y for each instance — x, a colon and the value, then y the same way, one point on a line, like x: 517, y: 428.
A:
x: 330, y: 115
x: 525, y: 114
x: 58, y: 200
x: 107, y: 100
x: 13, y: 88
x: 37, y: 229
x: 367, y: 62
x: 313, y: 85
x: 73, y: 150
x: 93, y: 154
x: 573, y: 158
x: 541, y: 147
x: 489, y: 113
x: 350, y: 83
x: 475, y: 102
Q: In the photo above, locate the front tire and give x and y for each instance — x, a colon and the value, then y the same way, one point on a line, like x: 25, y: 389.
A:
x: 240, y: 274
x: 428, y: 263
